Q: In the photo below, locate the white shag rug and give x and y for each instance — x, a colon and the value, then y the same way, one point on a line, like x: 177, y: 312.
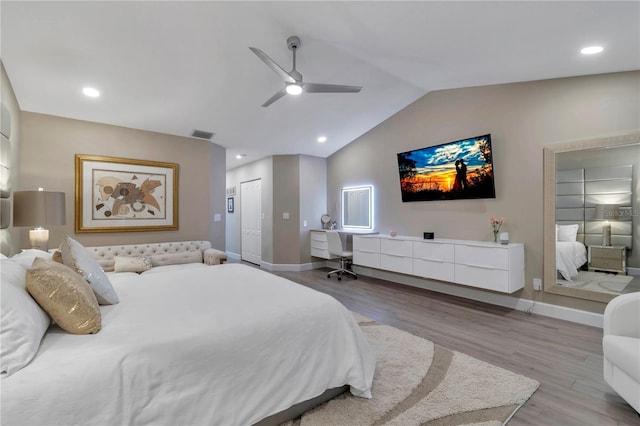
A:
x: 417, y: 383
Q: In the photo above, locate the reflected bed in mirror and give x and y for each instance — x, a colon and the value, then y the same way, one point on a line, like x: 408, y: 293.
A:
x: 591, y: 223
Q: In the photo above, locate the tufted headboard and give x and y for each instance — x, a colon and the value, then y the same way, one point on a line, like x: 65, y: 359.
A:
x: 105, y: 254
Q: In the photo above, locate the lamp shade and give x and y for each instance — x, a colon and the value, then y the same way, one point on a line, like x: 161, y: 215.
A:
x: 38, y: 208
x: 606, y: 212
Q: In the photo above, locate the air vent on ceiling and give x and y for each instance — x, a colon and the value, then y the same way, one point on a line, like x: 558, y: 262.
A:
x: 202, y: 134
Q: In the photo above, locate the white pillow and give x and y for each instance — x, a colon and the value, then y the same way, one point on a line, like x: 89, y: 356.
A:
x: 27, y: 256
x: 23, y: 322
x: 131, y: 263
x: 82, y: 261
x: 567, y: 232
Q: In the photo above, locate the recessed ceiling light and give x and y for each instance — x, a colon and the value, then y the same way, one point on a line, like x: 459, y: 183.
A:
x: 591, y: 50
x: 322, y: 139
x: 91, y: 92
x: 241, y: 156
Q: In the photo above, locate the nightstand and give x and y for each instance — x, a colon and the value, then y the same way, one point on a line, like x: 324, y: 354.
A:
x: 608, y: 258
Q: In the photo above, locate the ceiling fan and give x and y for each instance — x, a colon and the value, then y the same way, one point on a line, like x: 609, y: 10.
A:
x: 293, y: 79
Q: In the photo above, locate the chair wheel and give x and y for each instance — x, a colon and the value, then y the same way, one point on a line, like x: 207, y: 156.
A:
x: 339, y: 278
x: 356, y: 277
x: 328, y: 275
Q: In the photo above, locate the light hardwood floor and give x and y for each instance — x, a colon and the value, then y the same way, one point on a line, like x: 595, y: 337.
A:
x: 566, y: 358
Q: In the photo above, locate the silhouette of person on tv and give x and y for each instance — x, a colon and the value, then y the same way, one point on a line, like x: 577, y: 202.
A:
x: 457, y: 187
x: 461, y: 175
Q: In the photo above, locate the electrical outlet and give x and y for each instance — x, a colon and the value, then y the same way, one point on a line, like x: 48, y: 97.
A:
x: 537, y: 284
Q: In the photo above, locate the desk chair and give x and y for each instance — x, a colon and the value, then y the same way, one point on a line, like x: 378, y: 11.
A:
x: 335, y: 248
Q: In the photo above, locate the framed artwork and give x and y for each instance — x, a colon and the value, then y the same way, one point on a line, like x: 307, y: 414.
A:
x: 230, y: 205
x: 120, y: 195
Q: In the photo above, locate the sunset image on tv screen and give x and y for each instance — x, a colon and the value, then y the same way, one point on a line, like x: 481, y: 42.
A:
x: 455, y: 170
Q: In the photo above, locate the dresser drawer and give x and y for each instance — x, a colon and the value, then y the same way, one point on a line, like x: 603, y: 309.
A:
x: 487, y: 278
x: 321, y: 245
x: 318, y: 236
x: 396, y: 247
x: 607, y: 253
x: 365, y: 258
x: 604, y: 263
x: 400, y: 264
x: 433, y: 251
x: 487, y: 257
x: 324, y: 254
x: 367, y: 244
x: 443, y: 271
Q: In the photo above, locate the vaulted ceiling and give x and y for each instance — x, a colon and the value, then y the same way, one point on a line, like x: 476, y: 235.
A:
x: 176, y: 66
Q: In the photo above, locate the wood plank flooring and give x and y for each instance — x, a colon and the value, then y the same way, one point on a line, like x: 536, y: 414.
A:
x: 566, y: 358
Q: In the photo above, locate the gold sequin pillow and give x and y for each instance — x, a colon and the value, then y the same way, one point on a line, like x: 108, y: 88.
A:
x: 65, y: 296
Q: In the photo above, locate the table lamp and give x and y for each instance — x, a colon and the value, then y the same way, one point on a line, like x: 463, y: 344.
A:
x: 606, y: 212
x: 38, y: 209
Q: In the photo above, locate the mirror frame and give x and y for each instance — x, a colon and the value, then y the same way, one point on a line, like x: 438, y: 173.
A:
x: 549, y: 219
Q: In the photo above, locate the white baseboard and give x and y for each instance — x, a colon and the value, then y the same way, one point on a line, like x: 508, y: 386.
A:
x: 234, y: 256
x: 633, y: 271
x: 525, y: 305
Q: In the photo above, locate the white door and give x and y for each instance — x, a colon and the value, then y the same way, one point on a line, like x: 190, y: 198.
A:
x: 251, y: 220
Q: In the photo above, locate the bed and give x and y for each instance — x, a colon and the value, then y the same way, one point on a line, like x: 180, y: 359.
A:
x: 193, y: 344
x: 570, y: 257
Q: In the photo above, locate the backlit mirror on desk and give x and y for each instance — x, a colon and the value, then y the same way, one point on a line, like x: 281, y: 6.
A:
x: 357, y: 208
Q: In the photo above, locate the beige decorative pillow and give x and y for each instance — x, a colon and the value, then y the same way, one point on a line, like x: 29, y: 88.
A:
x: 176, y: 258
x: 65, y: 296
x: 132, y: 263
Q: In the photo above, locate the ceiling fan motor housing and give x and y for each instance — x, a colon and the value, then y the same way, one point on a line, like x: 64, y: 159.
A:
x: 293, y: 42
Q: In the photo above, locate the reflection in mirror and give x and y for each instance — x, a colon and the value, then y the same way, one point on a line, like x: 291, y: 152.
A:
x: 357, y: 207
x: 591, y: 217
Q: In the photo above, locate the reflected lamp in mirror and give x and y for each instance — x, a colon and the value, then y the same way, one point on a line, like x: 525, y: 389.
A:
x: 38, y: 209
x: 606, y: 212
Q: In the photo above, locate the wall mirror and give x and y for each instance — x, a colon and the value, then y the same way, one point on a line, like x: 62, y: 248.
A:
x: 591, y: 217
x: 357, y: 207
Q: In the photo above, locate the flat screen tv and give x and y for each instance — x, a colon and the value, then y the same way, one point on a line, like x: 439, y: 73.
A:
x: 451, y: 171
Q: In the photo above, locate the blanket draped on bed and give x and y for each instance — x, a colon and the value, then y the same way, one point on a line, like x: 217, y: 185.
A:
x: 193, y: 344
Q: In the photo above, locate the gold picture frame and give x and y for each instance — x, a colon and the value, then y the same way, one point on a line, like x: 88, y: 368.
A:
x: 125, y: 195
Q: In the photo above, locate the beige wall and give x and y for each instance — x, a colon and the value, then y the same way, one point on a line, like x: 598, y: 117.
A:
x: 263, y: 170
x: 286, y: 199
x: 522, y: 118
x: 293, y: 184
x: 313, y: 200
x: 9, y: 237
x: 48, y: 146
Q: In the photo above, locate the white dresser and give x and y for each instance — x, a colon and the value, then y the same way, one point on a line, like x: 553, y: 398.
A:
x: 478, y: 264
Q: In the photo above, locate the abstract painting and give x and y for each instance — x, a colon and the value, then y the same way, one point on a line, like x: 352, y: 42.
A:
x: 120, y: 194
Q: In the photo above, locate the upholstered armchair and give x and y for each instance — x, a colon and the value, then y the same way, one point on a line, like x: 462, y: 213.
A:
x: 621, y: 347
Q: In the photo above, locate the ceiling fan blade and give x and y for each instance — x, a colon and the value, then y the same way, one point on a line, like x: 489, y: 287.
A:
x: 271, y: 63
x: 275, y: 97
x: 330, y: 88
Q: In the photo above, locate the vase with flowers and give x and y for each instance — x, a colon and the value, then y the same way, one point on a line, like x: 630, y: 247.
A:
x: 496, y: 224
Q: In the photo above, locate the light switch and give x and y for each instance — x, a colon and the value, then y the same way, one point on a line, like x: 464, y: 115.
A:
x: 285, y: 216
x: 304, y: 223
x: 217, y: 217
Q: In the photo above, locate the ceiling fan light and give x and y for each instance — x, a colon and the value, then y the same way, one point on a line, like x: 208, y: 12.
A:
x: 294, y: 89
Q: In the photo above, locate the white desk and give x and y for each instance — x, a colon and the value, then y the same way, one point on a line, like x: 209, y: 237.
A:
x: 320, y: 246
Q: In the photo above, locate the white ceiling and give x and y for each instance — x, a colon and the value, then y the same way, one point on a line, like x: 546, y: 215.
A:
x: 176, y: 66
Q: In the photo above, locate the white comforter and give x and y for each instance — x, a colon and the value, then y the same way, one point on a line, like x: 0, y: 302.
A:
x: 193, y: 345
x: 570, y: 256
